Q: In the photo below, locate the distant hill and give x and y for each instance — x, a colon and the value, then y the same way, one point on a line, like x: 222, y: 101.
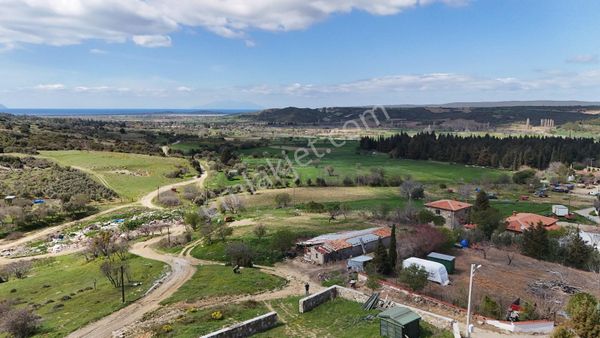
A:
x: 2, y: 106
x: 539, y: 103
x: 497, y: 113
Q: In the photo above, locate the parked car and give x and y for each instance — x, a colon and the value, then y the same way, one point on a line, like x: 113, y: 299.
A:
x: 595, y: 193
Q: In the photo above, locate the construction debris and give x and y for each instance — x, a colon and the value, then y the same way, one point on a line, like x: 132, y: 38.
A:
x: 539, y: 287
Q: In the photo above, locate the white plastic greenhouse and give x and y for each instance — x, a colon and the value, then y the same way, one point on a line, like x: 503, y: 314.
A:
x: 437, y: 271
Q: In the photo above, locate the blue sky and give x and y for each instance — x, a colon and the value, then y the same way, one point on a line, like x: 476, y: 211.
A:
x: 238, y: 53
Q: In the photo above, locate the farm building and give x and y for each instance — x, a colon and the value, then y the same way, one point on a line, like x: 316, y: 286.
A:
x: 521, y: 221
x: 344, y: 245
x: 399, y: 322
x: 454, y: 212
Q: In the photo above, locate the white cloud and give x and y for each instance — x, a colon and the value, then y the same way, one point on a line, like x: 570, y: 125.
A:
x: 184, y: 89
x: 148, y: 23
x: 583, y: 58
x: 98, y: 51
x: 50, y: 86
x: 152, y: 41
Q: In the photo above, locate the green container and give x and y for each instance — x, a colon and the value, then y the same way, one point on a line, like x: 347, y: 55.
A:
x: 446, y: 260
x: 399, y: 322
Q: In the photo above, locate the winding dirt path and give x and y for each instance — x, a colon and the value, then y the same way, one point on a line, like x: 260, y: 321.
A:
x: 145, y: 201
x: 181, y: 271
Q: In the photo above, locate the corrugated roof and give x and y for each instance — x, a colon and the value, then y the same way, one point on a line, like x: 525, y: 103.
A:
x: 400, y: 315
x: 362, y: 258
x: 450, y: 205
x: 368, y: 238
x: 338, y: 235
x: 438, y: 255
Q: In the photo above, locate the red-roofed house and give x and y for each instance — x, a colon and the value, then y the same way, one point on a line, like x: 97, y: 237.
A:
x: 454, y: 212
x: 519, y: 222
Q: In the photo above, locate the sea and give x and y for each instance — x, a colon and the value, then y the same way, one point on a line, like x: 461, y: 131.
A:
x: 120, y: 111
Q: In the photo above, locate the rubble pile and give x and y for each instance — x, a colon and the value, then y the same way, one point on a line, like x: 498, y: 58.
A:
x: 541, y: 286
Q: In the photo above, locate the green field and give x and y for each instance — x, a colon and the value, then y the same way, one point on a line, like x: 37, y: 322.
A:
x: 347, y: 162
x: 130, y: 175
x: 70, y: 276
x: 219, y: 281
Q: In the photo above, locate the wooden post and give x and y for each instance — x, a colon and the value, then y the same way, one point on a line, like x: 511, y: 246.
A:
x: 122, y: 286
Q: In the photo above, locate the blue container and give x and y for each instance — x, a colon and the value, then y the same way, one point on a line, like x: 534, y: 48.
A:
x: 464, y: 243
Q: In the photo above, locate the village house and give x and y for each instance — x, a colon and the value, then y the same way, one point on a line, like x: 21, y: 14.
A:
x: 343, y: 245
x: 521, y: 221
x: 454, y: 212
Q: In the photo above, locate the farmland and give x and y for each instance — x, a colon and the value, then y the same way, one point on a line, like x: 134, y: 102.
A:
x: 346, y: 161
x: 130, y: 175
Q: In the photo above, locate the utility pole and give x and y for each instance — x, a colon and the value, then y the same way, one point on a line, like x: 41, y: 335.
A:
x: 122, y: 285
x: 473, y: 269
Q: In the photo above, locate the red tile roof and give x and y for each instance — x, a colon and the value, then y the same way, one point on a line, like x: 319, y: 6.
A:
x: 521, y: 221
x: 450, y: 205
x: 470, y: 226
x: 383, y: 232
x: 338, y: 244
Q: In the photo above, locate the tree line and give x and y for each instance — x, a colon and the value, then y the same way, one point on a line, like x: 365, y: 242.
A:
x: 490, y: 151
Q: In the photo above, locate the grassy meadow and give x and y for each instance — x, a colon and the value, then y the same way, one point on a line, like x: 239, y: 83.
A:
x: 347, y: 161
x: 219, y: 281
x: 130, y: 175
x: 62, y: 290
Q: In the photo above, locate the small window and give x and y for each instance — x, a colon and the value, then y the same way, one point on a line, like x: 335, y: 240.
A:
x: 437, y: 211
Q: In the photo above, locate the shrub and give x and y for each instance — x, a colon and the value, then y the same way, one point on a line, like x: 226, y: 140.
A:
x: 20, y: 322
x: 521, y: 177
x: 414, y: 276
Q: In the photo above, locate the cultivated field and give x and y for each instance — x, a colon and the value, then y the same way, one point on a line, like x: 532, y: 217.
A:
x: 130, y: 175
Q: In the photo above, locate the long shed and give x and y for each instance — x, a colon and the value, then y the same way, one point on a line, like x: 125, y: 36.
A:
x: 399, y: 322
x: 445, y: 260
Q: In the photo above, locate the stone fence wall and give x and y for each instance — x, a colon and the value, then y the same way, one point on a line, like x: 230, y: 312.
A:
x: 312, y: 301
x: 247, y: 328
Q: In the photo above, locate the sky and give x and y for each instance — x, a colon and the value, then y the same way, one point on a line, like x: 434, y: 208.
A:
x: 308, y: 53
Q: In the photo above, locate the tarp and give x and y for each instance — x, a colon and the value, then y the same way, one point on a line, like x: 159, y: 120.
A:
x: 437, y: 271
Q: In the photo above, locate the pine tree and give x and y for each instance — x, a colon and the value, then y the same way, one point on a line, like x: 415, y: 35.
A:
x: 535, y: 242
x: 381, y: 261
x: 578, y: 252
x: 482, y: 201
x: 393, y: 254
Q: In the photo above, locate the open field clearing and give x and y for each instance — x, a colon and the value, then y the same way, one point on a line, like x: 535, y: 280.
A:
x: 504, y: 283
x: 347, y: 162
x: 68, y: 292
x: 325, y: 194
x: 219, y: 281
x: 130, y: 175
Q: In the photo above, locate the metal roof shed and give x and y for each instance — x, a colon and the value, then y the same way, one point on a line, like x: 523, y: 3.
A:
x: 446, y: 260
x: 358, y: 263
x: 399, y: 322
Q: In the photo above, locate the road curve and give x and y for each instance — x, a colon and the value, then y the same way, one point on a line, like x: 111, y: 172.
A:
x: 145, y: 201
x: 181, y: 271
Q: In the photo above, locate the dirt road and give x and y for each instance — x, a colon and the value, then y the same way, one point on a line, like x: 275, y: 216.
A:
x: 145, y: 201
x: 181, y: 271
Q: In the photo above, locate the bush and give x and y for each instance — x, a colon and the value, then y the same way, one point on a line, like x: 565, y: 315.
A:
x: 521, y: 177
x: 490, y: 308
x: 20, y: 322
x: 414, y: 276
x: 239, y: 254
x: 315, y: 207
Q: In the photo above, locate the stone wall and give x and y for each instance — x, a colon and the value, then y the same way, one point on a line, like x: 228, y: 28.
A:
x: 312, y: 301
x: 247, y: 328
